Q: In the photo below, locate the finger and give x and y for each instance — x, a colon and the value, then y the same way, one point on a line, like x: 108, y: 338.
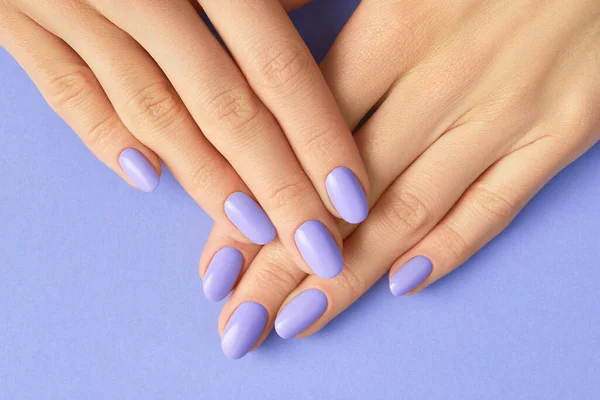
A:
x: 406, y: 212
x: 270, y: 279
x: 240, y: 127
x: 281, y: 71
x: 72, y: 90
x: 223, y: 261
x: 486, y: 208
x: 152, y: 110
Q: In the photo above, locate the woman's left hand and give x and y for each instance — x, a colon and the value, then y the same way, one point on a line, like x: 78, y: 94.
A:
x: 478, y: 106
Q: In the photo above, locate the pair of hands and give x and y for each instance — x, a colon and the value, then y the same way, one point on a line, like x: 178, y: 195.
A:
x: 476, y: 107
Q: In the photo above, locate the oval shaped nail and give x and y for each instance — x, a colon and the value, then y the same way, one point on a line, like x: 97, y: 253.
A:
x: 318, y: 249
x: 139, y: 170
x: 410, y: 275
x: 222, y: 273
x: 347, y: 195
x: 243, y: 329
x: 300, y: 313
x: 248, y: 216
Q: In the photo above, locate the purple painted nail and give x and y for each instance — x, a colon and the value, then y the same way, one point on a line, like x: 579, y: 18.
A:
x: 243, y: 329
x: 410, y: 275
x: 300, y: 313
x: 347, y: 195
x: 249, y: 218
x: 319, y: 250
x: 222, y: 273
x: 139, y: 170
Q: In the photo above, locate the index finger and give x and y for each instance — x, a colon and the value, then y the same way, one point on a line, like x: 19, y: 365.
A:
x: 283, y: 74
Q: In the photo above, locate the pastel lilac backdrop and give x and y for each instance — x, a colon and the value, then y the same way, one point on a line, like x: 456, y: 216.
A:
x: 100, y: 298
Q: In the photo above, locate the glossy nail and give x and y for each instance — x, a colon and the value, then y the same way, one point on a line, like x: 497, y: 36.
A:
x: 319, y: 250
x: 139, y: 170
x: 347, y: 195
x: 245, y: 213
x: 222, y: 273
x: 300, y: 313
x: 410, y: 275
x: 243, y: 329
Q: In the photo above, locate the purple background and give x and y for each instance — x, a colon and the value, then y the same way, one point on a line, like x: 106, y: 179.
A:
x: 100, y: 298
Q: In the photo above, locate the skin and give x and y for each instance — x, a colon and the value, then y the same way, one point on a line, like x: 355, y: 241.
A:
x: 125, y: 74
x: 478, y: 105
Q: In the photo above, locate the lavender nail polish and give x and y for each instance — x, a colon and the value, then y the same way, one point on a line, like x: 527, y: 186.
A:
x: 139, y: 170
x: 222, y: 273
x: 249, y: 218
x: 300, y: 313
x: 347, y: 195
x: 319, y: 250
x: 243, y: 329
x: 411, y: 275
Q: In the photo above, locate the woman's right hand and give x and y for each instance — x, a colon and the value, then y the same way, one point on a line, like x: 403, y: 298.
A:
x: 143, y: 81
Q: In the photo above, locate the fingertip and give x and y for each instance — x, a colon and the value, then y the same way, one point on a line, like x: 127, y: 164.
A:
x: 139, y: 170
x: 347, y: 195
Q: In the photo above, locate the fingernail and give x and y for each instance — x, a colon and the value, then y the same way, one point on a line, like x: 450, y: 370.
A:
x: 319, y: 250
x: 300, y: 313
x: 410, y: 275
x: 139, y: 170
x: 222, y: 273
x: 347, y: 195
x: 249, y: 218
x: 243, y: 329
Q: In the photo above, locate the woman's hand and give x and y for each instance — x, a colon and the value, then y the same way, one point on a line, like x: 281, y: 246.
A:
x: 478, y: 104
x: 146, y: 80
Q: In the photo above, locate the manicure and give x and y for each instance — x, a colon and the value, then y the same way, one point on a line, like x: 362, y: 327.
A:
x: 319, y: 250
x: 222, y: 273
x: 300, y: 313
x: 243, y: 329
x: 347, y: 195
x: 139, y: 170
x: 249, y: 218
x: 410, y: 275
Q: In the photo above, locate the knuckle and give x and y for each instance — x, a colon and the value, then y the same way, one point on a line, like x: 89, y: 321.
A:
x: 278, y: 279
x: 492, y: 204
x: 288, y: 193
x: 233, y: 109
x: 204, y: 171
x: 71, y: 89
x: 155, y: 107
x: 407, y: 213
x: 451, y: 241
x: 102, y: 133
x: 321, y: 139
x: 282, y: 63
x: 351, y: 282
x: 579, y: 115
x: 404, y: 23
